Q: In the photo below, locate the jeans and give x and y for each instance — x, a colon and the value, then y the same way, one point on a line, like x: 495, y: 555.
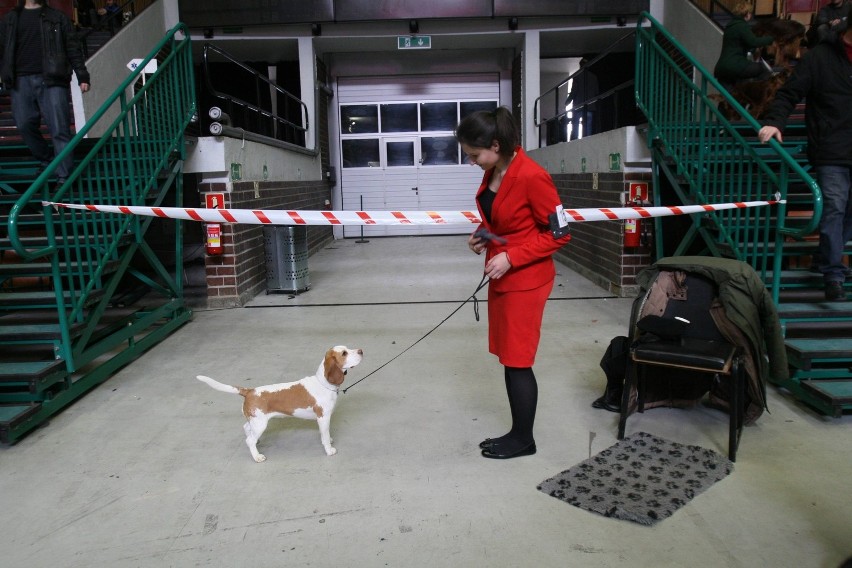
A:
x: 835, y: 226
x: 32, y: 99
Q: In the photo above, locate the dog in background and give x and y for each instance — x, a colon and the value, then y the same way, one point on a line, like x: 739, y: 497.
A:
x: 312, y: 398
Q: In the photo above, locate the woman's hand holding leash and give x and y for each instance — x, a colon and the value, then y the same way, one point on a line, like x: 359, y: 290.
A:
x: 498, y: 266
x: 476, y: 243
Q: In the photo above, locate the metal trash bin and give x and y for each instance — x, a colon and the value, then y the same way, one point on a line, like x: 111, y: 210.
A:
x: 286, y: 259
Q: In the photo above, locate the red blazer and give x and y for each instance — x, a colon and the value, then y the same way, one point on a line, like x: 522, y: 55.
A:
x: 519, y: 214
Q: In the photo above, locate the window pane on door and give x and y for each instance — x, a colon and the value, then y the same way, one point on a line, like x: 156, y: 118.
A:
x: 361, y: 153
x: 438, y: 116
x: 400, y: 154
x: 439, y: 150
x: 359, y: 119
x: 469, y: 107
x: 399, y: 117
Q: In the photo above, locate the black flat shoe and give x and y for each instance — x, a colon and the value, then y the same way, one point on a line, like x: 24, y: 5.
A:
x: 606, y: 404
x: 490, y: 443
x: 496, y: 453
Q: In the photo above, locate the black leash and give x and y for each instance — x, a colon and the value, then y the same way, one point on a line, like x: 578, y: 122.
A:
x: 482, y: 284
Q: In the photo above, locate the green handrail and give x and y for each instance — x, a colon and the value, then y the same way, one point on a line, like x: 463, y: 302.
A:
x: 713, y: 160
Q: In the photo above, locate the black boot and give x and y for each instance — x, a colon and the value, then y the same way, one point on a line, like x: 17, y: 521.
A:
x: 611, y: 399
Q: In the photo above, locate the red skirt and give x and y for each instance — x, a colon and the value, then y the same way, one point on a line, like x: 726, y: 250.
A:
x: 514, y: 324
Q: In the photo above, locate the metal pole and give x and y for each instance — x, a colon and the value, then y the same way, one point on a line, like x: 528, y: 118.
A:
x: 362, y: 239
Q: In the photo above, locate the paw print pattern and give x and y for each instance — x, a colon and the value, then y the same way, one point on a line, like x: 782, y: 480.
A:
x: 641, y: 478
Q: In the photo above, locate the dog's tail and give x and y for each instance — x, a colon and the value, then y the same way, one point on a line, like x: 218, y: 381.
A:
x: 217, y: 385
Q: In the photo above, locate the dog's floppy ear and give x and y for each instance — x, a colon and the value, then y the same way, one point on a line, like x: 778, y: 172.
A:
x: 333, y: 369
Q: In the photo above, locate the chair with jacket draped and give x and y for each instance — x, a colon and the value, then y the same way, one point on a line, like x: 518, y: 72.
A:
x: 679, y: 342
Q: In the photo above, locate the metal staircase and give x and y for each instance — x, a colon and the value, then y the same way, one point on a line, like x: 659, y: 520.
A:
x: 705, y: 158
x: 81, y: 293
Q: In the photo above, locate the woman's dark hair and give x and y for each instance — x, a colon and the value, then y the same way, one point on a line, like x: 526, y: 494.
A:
x: 481, y: 128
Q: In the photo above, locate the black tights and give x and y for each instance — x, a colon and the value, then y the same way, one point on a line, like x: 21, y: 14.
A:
x: 523, y: 399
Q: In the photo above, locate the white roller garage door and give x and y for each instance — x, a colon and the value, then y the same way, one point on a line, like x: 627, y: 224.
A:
x: 397, y: 146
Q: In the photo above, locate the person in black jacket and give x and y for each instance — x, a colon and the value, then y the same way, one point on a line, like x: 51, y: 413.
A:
x: 824, y: 78
x: 832, y: 19
x: 38, y: 50
x: 584, y: 87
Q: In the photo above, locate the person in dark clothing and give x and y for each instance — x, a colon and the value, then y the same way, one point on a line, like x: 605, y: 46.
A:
x: 738, y: 39
x: 109, y: 16
x: 584, y: 86
x: 832, y: 18
x: 86, y: 13
x: 38, y: 51
x: 824, y: 78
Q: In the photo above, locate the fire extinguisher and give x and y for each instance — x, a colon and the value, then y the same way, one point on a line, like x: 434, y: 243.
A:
x: 214, y: 238
x: 632, y: 230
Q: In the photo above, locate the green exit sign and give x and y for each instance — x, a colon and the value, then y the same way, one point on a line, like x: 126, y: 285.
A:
x: 414, y: 42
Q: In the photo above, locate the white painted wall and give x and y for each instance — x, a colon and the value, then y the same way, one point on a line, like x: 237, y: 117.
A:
x: 694, y: 31
x: 212, y: 157
x: 531, y: 87
x: 593, y: 153
x: 108, y: 66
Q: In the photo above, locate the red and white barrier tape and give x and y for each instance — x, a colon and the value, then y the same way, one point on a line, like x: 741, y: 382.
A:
x: 281, y: 217
x: 566, y: 216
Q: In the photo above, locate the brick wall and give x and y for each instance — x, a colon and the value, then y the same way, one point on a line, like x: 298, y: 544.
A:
x: 597, y: 249
x: 239, y: 274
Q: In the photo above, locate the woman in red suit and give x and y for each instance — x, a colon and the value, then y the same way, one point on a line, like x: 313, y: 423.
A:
x: 515, y: 199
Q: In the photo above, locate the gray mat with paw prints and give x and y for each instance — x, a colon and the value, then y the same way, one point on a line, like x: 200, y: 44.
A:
x: 642, y: 478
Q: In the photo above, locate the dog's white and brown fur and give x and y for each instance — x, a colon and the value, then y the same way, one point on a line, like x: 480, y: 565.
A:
x: 313, y: 397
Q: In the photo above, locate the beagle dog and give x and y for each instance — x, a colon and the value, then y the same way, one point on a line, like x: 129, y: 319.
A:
x: 312, y: 398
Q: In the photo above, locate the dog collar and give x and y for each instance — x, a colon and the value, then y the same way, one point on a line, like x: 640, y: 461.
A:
x: 332, y: 389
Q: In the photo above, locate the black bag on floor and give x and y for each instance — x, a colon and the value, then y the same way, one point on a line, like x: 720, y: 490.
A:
x: 614, y: 365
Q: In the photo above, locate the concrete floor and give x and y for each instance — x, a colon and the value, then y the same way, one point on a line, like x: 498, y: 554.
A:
x: 150, y: 469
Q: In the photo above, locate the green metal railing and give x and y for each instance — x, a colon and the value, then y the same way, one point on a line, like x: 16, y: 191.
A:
x: 709, y: 159
x: 136, y: 159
